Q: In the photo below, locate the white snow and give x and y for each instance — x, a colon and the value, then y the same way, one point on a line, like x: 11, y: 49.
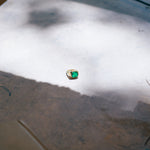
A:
x: 109, y: 53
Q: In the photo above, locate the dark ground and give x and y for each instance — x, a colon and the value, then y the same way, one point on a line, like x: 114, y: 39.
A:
x: 2, y: 1
x: 65, y: 120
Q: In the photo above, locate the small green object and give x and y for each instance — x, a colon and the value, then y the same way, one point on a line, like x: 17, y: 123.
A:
x: 74, y: 74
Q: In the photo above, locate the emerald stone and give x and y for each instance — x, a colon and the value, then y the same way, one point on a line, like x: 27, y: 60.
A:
x: 74, y: 74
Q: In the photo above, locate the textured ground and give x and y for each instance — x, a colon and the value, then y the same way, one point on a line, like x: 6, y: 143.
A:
x: 65, y: 120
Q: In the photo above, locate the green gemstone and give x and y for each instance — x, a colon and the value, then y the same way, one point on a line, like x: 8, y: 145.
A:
x: 74, y: 74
